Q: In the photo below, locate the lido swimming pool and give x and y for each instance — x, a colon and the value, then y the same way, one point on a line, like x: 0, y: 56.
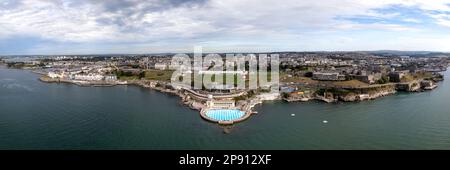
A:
x: 225, y: 114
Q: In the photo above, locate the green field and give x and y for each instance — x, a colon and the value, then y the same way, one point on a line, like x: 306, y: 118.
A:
x: 125, y: 78
x: 160, y: 75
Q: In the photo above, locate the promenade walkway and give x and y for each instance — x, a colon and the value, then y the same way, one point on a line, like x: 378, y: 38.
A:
x: 205, y: 96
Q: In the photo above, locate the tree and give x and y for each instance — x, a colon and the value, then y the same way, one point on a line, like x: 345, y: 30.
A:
x: 285, y: 95
x: 383, y: 80
x: 308, y: 74
x: 141, y: 74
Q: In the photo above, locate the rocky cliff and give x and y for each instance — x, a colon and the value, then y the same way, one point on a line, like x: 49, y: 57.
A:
x: 360, y: 94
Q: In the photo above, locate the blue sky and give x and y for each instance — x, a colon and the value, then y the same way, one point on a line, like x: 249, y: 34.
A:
x: 155, y: 26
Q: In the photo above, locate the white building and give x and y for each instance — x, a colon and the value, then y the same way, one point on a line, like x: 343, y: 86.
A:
x: 160, y: 66
x: 269, y: 96
x: 89, y: 77
x: 221, y: 104
x: 110, y: 78
x: 328, y: 76
x: 54, y: 75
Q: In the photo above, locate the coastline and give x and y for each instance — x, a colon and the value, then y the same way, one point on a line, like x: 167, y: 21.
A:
x: 400, y: 111
x: 151, y: 85
x: 186, y: 99
x: 248, y: 105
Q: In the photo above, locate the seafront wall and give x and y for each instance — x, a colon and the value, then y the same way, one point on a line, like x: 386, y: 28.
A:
x: 80, y: 83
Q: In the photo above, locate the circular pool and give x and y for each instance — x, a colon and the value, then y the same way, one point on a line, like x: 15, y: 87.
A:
x: 224, y: 114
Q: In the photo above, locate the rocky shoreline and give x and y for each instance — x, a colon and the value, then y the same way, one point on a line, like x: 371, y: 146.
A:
x: 363, y: 94
x: 143, y: 84
x: 186, y: 100
x: 162, y: 87
x: 356, y: 95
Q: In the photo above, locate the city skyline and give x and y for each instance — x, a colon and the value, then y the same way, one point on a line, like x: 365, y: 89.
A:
x: 96, y: 27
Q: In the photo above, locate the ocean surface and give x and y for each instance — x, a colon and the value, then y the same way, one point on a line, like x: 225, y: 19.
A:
x: 37, y: 115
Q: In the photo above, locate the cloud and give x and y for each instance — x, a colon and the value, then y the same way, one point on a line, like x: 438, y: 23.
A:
x: 375, y: 26
x: 94, y: 20
x: 189, y: 22
x: 412, y: 20
x: 442, y: 19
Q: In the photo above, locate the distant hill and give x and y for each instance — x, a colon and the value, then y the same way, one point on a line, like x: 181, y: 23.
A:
x: 408, y: 53
x: 386, y: 53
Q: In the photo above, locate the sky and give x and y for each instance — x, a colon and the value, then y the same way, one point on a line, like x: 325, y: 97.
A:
x: 54, y: 27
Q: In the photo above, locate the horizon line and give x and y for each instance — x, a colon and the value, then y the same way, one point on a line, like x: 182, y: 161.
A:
x: 159, y: 53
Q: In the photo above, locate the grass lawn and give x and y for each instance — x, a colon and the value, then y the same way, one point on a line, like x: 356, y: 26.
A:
x: 125, y: 78
x: 160, y: 75
x: 407, y: 78
x: 423, y: 75
x: 350, y: 83
x: 306, y: 80
x: 296, y: 79
x: 226, y: 77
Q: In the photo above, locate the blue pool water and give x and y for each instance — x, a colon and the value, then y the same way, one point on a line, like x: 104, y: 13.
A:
x: 225, y: 114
